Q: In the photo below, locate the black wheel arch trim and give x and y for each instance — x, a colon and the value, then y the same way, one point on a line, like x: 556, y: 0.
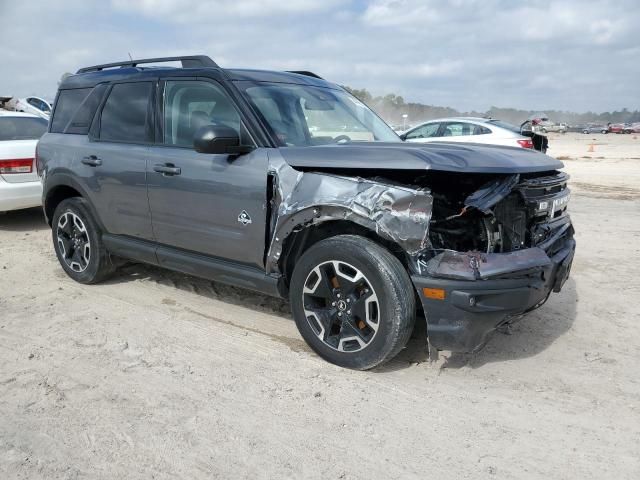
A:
x: 313, y: 216
x: 63, y: 179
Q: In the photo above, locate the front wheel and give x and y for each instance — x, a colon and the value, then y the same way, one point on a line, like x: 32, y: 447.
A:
x: 353, y: 301
x: 78, y: 243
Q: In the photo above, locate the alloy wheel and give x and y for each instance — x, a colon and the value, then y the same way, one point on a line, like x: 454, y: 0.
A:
x: 73, y: 241
x: 341, y: 306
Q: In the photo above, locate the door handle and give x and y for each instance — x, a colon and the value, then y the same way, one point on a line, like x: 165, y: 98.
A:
x: 168, y: 169
x: 92, y: 161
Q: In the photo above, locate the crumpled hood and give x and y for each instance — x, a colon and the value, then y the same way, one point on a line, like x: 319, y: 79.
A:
x: 449, y: 157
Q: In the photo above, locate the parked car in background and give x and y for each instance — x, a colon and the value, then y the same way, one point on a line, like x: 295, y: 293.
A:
x: 20, y: 186
x: 577, y: 128
x: 632, y: 127
x: 615, y: 128
x: 546, y: 127
x: 35, y: 105
x: 468, y: 130
x: 595, y: 128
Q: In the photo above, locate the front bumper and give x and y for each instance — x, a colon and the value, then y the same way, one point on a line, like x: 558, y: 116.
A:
x: 14, y: 196
x: 472, y: 309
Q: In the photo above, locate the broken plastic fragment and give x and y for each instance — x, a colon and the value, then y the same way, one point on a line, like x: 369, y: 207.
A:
x: 481, y: 266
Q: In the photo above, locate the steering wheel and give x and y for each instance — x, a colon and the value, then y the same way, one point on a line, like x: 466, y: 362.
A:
x: 342, y: 139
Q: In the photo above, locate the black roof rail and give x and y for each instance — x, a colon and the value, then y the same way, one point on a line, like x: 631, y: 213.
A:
x: 192, y: 61
x: 305, y: 73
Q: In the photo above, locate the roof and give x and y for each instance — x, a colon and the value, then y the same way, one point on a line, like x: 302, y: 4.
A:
x: 9, y: 113
x: 460, y: 119
x: 92, y: 78
x: 277, y: 76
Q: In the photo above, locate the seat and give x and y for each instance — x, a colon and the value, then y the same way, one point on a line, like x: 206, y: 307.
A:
x: 224, y: 114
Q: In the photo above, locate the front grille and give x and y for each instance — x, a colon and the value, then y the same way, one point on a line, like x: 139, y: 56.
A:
x: 535, y: 214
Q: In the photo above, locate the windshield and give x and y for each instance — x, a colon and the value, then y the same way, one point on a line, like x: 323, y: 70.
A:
x: 302, y: 115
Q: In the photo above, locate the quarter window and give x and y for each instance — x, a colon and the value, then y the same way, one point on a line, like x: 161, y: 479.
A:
x: 66, y: 106
x: 191, y: 104
x: 83, y: 116
x: 125, y: 114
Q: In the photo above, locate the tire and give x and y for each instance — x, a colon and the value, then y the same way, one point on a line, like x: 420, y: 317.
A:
x: 543, y: 130
x: 586, y: 132
x: 77, y: 241
x: 345, y: 273
x: 604, y: 131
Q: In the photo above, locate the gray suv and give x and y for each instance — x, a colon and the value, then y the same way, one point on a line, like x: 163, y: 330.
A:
x: 283, y: 183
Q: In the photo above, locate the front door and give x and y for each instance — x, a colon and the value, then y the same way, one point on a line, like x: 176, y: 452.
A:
x: 208, y: 204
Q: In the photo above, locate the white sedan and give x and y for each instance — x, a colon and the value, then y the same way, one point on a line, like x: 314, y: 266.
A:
x: 468, y: 129
x: 35, y: 105
x: 20, y: 185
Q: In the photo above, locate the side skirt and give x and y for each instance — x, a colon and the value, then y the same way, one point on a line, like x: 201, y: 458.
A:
x: 195, y: 264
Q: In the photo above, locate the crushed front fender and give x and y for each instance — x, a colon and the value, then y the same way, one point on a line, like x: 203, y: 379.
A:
x: 395, y: 212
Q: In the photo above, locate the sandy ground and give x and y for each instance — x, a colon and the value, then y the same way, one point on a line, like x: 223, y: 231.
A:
x: 159, y: 375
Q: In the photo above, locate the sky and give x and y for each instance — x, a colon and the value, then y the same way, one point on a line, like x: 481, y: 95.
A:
x: 575, y: 55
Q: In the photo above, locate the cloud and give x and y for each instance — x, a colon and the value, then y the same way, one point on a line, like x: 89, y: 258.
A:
x: 468, y: 54
x: 188, y: 10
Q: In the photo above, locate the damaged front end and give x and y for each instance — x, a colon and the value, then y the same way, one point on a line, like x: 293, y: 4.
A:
x: 508, y: 247
x: 481, y: 248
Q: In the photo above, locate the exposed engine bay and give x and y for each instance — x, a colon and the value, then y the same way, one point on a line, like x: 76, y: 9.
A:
x: 495, y: 214
x: 509, y: 223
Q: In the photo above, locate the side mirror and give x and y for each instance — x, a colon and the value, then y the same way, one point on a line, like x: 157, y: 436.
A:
x: 218, y: 139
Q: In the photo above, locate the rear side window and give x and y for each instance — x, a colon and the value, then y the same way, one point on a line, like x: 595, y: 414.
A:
x: 126, y: 112
x: 480, y: 130
x: 81, y: 121
x: 22, y: 128
x: 66, y: 106
x: 426, y: 131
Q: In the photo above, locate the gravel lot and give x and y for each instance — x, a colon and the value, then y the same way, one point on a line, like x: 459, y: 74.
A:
x: 160, y: 375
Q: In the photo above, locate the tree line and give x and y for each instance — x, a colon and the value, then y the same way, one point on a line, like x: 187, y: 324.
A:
x: 391, y: 107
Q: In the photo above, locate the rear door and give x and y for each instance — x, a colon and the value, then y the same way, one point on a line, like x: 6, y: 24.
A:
x: 212, y: 204
x: 111, y: 162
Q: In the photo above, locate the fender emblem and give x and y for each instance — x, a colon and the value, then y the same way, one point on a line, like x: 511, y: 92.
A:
x: 244, y: 218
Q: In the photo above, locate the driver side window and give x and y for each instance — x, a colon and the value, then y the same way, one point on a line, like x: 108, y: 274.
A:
x: 426, y: 131
x: 191, y: 104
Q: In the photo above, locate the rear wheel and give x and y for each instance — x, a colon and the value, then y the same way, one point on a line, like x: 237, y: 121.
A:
x: 353, y: 301
x: 78, y: 243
